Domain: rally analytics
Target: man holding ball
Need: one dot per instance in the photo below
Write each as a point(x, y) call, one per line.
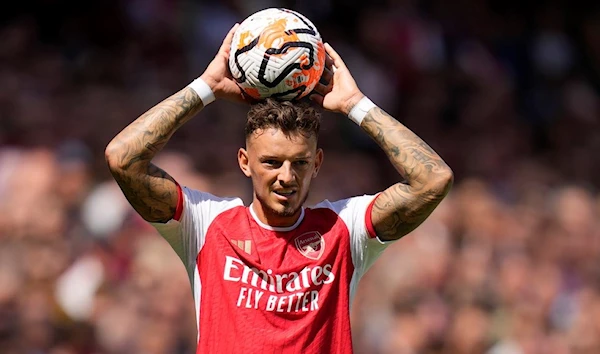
point(276, 276)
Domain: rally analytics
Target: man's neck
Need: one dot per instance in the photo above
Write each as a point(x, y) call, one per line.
point(273, 220)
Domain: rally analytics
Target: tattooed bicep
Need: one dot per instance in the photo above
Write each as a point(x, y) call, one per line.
point(153, 195)
point(400, 209)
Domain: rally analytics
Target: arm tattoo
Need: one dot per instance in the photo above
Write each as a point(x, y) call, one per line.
point(402, 207)
point(150, 190)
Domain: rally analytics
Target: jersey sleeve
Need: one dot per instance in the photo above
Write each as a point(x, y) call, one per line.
point(365, 245)
point(186, 232)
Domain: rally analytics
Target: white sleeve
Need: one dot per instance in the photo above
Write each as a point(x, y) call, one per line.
point(187, 235)
point(365, 246)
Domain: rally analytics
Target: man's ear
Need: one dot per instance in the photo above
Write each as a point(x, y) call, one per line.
point(243, 162)
point(318, 162)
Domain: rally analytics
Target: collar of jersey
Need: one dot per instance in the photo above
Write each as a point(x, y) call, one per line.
point(275, 228)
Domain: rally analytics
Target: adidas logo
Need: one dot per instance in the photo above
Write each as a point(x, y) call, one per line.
point(244, 245)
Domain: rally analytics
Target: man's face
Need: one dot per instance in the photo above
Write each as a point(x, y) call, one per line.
point(281, 168)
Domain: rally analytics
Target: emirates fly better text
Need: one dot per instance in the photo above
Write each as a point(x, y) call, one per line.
point(290, 292)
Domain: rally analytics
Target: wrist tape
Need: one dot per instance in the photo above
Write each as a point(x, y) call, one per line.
point(360, 110)
point(203, 91)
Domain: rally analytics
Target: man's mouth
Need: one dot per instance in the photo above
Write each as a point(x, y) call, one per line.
point(285, 192)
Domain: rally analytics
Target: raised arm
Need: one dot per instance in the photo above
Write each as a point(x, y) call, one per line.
point(402, 207)
point(150, 190)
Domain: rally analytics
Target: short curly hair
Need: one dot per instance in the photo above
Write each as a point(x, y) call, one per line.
point(289, 117)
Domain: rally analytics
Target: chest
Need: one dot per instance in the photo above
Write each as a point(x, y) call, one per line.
point(314, 255)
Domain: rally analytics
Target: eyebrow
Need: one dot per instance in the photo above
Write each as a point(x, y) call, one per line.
point(267, 157)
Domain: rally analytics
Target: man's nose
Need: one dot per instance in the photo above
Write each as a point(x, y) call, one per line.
point(286, 173)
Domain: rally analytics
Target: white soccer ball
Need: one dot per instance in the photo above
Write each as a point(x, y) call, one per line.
point(277, 53)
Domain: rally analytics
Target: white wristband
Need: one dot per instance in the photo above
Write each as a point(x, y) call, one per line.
point(203, 91)
point(360, 110)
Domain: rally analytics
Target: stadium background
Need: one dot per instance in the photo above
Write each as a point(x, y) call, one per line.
point(506, 91)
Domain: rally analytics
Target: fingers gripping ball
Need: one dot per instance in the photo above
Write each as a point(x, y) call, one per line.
point(277, 53)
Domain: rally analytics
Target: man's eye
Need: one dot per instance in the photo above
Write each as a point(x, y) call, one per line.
point(301, 163)
point(271, 162)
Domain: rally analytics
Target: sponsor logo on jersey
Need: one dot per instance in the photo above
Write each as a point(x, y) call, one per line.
point(273, 292)
point(308, 277)
point(310, 244)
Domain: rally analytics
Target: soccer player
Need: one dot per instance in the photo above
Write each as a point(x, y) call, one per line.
point(276, 276)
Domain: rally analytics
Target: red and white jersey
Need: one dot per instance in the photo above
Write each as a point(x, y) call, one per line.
point(263, 289)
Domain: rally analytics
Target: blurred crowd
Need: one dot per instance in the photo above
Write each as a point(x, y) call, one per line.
point(508, 92)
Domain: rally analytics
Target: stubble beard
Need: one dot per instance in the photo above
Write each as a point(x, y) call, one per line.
point(287, 211)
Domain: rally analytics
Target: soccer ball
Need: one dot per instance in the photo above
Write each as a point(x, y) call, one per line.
point(277, 53)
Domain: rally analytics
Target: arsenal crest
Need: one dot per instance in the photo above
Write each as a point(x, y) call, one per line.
point(310, 244)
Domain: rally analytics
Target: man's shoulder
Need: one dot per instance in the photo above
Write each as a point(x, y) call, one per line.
point(195, 196)
point(207, 207)
point(344, 204)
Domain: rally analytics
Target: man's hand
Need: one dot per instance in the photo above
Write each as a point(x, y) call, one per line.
point(339, 92)
point(217, 74)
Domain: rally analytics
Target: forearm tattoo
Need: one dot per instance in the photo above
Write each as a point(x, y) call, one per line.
point(149, 189)
point(404, 206)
